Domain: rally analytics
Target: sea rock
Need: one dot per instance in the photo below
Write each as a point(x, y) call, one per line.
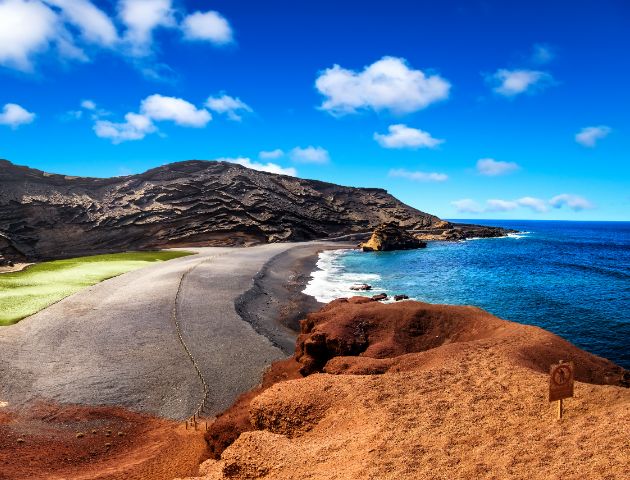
point(379, 297)
point(391, 236)
point(361, 287)
point(457, 232)
point(398, 298)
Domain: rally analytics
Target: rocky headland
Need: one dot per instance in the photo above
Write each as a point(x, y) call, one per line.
point(44, 215)
point(192, 203)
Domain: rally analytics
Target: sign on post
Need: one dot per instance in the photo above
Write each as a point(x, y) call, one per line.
point(560, 383)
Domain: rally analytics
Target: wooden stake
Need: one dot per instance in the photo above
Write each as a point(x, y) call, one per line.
point(560, 409)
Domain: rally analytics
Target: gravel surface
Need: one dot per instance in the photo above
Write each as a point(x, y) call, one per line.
point(115, 343)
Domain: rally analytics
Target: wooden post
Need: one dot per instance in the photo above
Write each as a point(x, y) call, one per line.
point(560, 409)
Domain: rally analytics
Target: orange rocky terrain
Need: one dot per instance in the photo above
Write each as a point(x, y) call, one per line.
point(55, 442)
point(413, 390)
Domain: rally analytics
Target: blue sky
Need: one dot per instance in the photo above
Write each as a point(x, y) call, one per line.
point(465, 109)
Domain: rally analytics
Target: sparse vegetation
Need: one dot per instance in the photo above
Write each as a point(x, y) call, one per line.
point(29, 291)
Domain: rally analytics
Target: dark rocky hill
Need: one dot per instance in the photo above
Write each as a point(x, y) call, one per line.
point(45, 215)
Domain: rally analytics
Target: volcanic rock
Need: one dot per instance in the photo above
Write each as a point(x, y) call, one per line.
point(391, 236)
point(361, 287)
point(379, 296)
point(189, 203)
point(398, 298)
point(414, 390)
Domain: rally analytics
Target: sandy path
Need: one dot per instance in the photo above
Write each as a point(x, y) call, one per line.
point(115, 343)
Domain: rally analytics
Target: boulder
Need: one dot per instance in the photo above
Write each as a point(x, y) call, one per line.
point(379, 296)
point(398, 298)
point(361, 287)
point(391, 236)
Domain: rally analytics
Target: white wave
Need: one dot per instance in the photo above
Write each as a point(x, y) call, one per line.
point(516, 235)
point(331, 281)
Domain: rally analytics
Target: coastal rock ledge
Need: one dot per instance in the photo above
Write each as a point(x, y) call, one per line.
point(415, 390)
point(391, 236)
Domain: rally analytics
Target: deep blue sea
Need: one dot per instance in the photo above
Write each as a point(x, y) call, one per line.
point(571, 278)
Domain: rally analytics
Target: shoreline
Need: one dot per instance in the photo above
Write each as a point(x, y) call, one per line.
point(275, 304)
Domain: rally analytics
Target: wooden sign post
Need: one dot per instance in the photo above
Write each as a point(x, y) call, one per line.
point(560, 383)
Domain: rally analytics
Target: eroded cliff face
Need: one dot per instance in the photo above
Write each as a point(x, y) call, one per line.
point(45, 215)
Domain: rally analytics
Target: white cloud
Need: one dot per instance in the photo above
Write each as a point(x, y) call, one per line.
point(542, 54)
point(402, 136)
point(13, 115)
point(310, 154)
point(88, 105)
point(263, 167)
point(538, 205)
point(154, 108)
point(492, 168)
point(271, 154)
point(466, 205)
point(209, 26)
point(535, 204)
point(574, 202)
point(26, 28)
point(95, 26)
point(228, 105)
point(496, 205)
point(418, 176)
point(160, 108)
point(388, 84)
point(135, 127)
point(142, 17)
point(589, 136)
point(510, 83)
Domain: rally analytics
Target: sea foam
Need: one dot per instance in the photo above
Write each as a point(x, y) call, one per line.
point(331, 280)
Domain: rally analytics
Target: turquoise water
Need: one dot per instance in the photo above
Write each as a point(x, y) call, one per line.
point(572, 278)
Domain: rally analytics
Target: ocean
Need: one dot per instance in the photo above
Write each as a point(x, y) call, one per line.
point(571, 278)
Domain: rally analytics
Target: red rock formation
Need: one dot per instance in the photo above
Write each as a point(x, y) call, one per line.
point(416, 341)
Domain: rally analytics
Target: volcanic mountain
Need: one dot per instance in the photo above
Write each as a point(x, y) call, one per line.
point(44, 215)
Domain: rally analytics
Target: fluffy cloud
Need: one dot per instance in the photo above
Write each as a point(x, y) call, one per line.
point(510, 83)
point(418, 176)
point(589, 136)
point(31, 27)
point(13, 115)
point(402, 136)
point(310, 154)
point(141, 18)
point(271, 154)
point(154, 108)
point(388, 84)
point(466, 205)
point(535, 204)
point(26, 28)
point(263, 167)
point(160, 108)
point(492, 168)
point(574, 202)
point(230, 106)
point(95, 26)
point(496, 205)
point(88, 105)
point(135, 127)
point(209, 26)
